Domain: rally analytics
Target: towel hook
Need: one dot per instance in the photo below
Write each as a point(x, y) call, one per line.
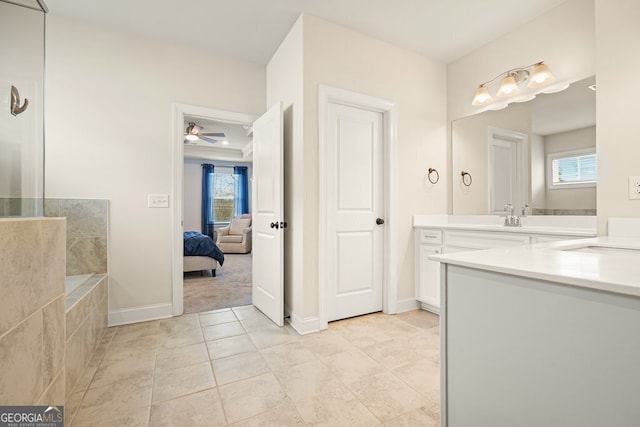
point(464, 178)
point(437, 178)
point(15, 102)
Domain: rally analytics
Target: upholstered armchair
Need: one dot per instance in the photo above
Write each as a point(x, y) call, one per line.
point(236, 238)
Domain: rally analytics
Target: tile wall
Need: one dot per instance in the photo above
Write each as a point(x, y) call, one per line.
point(87, 231)
point(32, 311)
point(86, 323)
point(589, 212)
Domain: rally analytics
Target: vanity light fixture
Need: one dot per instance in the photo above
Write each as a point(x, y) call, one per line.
point(538, 75)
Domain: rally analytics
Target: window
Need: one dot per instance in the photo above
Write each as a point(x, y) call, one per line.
point(224, 186)
point(571, 169)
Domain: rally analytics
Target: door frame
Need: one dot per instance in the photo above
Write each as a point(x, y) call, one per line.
point(177, 214)
point(388, 109)
point(522, 164)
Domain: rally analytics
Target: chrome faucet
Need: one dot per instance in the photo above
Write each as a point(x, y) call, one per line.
point(511, 220)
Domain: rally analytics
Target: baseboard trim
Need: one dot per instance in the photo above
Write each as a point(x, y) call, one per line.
point(408, 304)
point(304, 326)
point(430, 308)
point(140, 314)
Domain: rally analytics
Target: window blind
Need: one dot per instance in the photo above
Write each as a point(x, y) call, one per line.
point(575, 169)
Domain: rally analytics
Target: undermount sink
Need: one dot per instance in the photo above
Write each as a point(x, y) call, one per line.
point(595, 249)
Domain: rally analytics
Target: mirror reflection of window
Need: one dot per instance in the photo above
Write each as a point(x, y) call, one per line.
point(572, 168)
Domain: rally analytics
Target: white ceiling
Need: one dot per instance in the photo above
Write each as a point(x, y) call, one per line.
point(444, 30)
point(235, 134)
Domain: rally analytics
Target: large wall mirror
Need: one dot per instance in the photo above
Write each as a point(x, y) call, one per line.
point(538, 156)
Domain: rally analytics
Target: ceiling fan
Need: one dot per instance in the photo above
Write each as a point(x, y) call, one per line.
point(192, 133)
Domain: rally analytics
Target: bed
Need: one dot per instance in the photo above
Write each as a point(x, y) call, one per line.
point(201, 253)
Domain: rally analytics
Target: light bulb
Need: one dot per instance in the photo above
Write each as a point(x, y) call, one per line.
point(508, 87)
point(541, 76)
point(482, 96)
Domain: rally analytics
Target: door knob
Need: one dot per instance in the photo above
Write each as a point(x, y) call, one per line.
point(379, 221)
point(275, 225)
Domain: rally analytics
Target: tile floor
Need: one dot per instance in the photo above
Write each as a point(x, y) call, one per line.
point(233, 367)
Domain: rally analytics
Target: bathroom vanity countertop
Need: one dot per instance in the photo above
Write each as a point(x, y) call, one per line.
point(610, 264)
point(564, 225)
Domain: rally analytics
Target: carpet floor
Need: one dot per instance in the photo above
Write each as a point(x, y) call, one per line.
point(230, 288)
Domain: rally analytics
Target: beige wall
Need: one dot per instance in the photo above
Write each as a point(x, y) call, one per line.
point(338, 57)
point(564, 38)
point(109, 98)
point(317, 52)
point(618, 127)
point(109, 135)
point(284, 84)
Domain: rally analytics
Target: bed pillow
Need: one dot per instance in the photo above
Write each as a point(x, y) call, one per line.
point(238, 225)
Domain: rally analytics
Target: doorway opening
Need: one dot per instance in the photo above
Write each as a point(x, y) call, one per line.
point(223, 141)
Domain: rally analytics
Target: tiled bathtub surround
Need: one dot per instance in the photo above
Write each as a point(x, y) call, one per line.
point(86, 322)
point(32, 311)
point(87, 231)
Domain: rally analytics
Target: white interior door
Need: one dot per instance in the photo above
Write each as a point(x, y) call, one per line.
point(503, 155)
point(355, 203)
point(507, 157)
point(268, 222)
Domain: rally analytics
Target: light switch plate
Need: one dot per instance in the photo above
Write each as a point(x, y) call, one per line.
point(634, 188)
point(158, 201)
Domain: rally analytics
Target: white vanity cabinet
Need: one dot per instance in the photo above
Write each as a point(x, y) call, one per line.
point(538, 320)
point(544, 238)
point(428, 242)
point(431, 241)
point(459, 241)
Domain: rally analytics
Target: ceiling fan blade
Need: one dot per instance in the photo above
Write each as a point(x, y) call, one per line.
point(211, 140)
point(220, 134)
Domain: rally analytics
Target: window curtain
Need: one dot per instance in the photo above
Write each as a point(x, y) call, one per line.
point(242, 190)
point(207, 200)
